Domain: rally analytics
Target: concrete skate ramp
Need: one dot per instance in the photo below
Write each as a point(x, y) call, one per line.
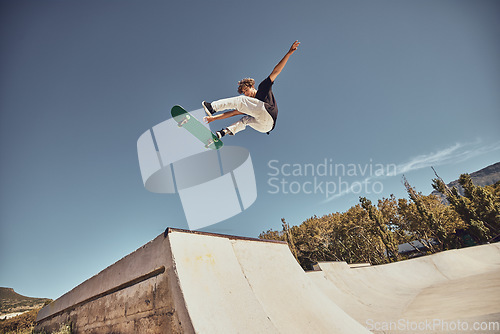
point(238, 285)
point(436, 292)
point(191, 282)
point(187, 282)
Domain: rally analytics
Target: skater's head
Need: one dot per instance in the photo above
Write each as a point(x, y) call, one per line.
point(247, 87)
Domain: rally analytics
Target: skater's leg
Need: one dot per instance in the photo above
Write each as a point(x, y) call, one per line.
point(256, 117)
point(247, 105)
point(239, 125)
point(252, 122)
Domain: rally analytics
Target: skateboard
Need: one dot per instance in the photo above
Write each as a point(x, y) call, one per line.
point(187, 121)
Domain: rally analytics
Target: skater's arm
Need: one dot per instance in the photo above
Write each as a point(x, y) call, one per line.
point(227, 114)
point(278, 68)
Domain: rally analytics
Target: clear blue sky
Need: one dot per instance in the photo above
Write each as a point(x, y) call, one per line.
point(407, 83)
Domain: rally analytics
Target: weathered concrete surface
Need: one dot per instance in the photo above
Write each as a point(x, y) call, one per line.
point(188, 282)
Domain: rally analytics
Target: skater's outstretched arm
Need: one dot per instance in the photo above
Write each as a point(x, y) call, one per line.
point(278, 68)
point(227, 114)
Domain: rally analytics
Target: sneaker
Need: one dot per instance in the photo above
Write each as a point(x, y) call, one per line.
point(208, 108)
point(223, 132)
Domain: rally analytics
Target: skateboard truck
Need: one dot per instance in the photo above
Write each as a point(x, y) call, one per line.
point(211, 141)
point(184, 121)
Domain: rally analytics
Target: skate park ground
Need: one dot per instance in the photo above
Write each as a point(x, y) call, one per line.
point(445, 292)
point(193, 282)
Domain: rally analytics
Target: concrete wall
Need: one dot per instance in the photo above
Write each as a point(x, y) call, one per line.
point(138, 294)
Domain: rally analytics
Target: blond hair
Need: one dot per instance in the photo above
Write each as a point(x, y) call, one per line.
point(247, 82)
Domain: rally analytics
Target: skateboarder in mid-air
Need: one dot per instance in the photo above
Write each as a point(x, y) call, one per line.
point(258, 105)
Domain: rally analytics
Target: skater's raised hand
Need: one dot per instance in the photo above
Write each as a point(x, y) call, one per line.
point(294, 47)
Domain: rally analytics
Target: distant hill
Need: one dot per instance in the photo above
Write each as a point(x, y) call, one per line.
point(12, 302)
point(484, 177)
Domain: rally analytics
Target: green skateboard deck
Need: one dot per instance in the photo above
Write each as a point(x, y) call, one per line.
point(185, 120)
